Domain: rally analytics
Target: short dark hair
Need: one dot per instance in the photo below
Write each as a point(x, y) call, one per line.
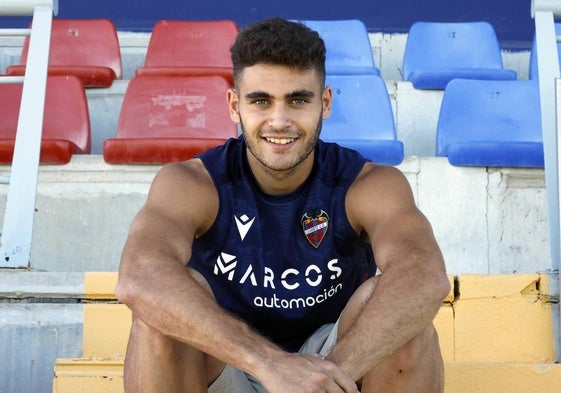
point(279, 42)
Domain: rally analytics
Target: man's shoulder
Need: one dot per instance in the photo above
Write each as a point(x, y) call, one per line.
point(379, 176)
point(184, 175)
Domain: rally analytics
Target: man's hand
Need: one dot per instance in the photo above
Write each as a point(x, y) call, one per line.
point(297, 373)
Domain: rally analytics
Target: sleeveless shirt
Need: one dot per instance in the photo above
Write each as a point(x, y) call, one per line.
point(284, 264)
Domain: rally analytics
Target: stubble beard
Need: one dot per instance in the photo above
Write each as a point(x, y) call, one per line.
point(282, 171)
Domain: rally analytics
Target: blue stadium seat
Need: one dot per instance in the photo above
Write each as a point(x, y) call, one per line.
point(533, 66)
point(348, 46)
point(436, 53)
point(491, 123)
point(362, 118)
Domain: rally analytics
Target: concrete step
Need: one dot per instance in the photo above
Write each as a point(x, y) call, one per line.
point(486, 220)
point(88, 375)
point(485, 318)
point(106, 376)
point(487, 322)
point(496, 334)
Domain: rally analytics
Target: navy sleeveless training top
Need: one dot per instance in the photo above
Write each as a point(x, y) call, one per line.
point(284, 264)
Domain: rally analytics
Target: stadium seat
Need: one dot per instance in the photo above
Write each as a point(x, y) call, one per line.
point(86, 48)
point(170, 118)
point(348, 46)
point(362, 118)
point(66, 123)
point(491, 123)
point(436, 53)
point(190, 48)
point(533, 66)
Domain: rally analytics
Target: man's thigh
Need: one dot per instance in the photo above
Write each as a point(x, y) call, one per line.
point(232, 380)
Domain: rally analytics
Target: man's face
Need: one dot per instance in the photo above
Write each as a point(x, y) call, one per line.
point(280, 110)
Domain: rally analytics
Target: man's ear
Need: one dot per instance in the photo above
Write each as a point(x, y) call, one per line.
point(233, 105)
point(327, 100)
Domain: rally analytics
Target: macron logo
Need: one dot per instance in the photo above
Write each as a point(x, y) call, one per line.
point(226, 263)
point(244, 224)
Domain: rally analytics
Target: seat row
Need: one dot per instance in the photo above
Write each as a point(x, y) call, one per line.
point(174, 106)
point(172, 118)
point(89, 49)
point(435, 52)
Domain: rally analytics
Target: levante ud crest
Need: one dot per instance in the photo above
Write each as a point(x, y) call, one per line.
point(315, 224)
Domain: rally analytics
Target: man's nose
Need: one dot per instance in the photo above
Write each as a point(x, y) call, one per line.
point(279, 117)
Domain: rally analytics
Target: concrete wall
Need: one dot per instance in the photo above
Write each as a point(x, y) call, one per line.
point(486, 220)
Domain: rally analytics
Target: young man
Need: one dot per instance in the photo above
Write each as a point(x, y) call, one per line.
point(269, 245)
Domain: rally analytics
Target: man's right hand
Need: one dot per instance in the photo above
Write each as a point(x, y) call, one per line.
point(297, 373)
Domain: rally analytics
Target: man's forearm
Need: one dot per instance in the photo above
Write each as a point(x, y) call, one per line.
point(176, 305)
point(398, 310)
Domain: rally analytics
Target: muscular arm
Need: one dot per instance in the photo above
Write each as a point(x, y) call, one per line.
point(156, 286)
point(153, 281)
point(413, 282)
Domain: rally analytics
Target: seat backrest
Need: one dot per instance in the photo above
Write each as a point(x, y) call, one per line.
point(159, 106)
point(533, 64)
point(348, 48)
point(488, 111)
point(191, 43)
point(361, 109)
point(66, 114)
point(83, 42)
point(455, 44)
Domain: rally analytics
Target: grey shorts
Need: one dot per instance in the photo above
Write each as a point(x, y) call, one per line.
point(233, 380)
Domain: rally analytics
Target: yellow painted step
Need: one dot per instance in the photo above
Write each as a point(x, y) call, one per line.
point(503, 318)
point(106, 330)
point(88, 376)
point(100, 285)
point(503, 378)
point(105, 376)
point(495, 318)
point(496, 335)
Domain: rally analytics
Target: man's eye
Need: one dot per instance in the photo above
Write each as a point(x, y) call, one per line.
point(299, 101)
point(259, 102)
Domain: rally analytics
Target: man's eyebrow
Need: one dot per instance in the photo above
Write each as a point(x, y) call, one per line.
point(303, 93)
point(257, 94)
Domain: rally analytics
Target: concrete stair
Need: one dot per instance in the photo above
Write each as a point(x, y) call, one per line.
point(496, 333)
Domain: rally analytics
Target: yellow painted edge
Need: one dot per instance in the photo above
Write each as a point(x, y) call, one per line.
point(478, 286)
point(460, 376)
point(101, 339)
point(444, 324)
point(89, 367)
point(450, 297)
point(100, 285)
point(502, 377)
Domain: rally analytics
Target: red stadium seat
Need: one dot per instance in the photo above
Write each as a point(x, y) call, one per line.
point(190, 48)
point(66, 123)
point(170, 118)
point(88, 49)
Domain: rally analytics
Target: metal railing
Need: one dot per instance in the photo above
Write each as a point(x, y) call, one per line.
point(544, 13)
point(17, 230)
